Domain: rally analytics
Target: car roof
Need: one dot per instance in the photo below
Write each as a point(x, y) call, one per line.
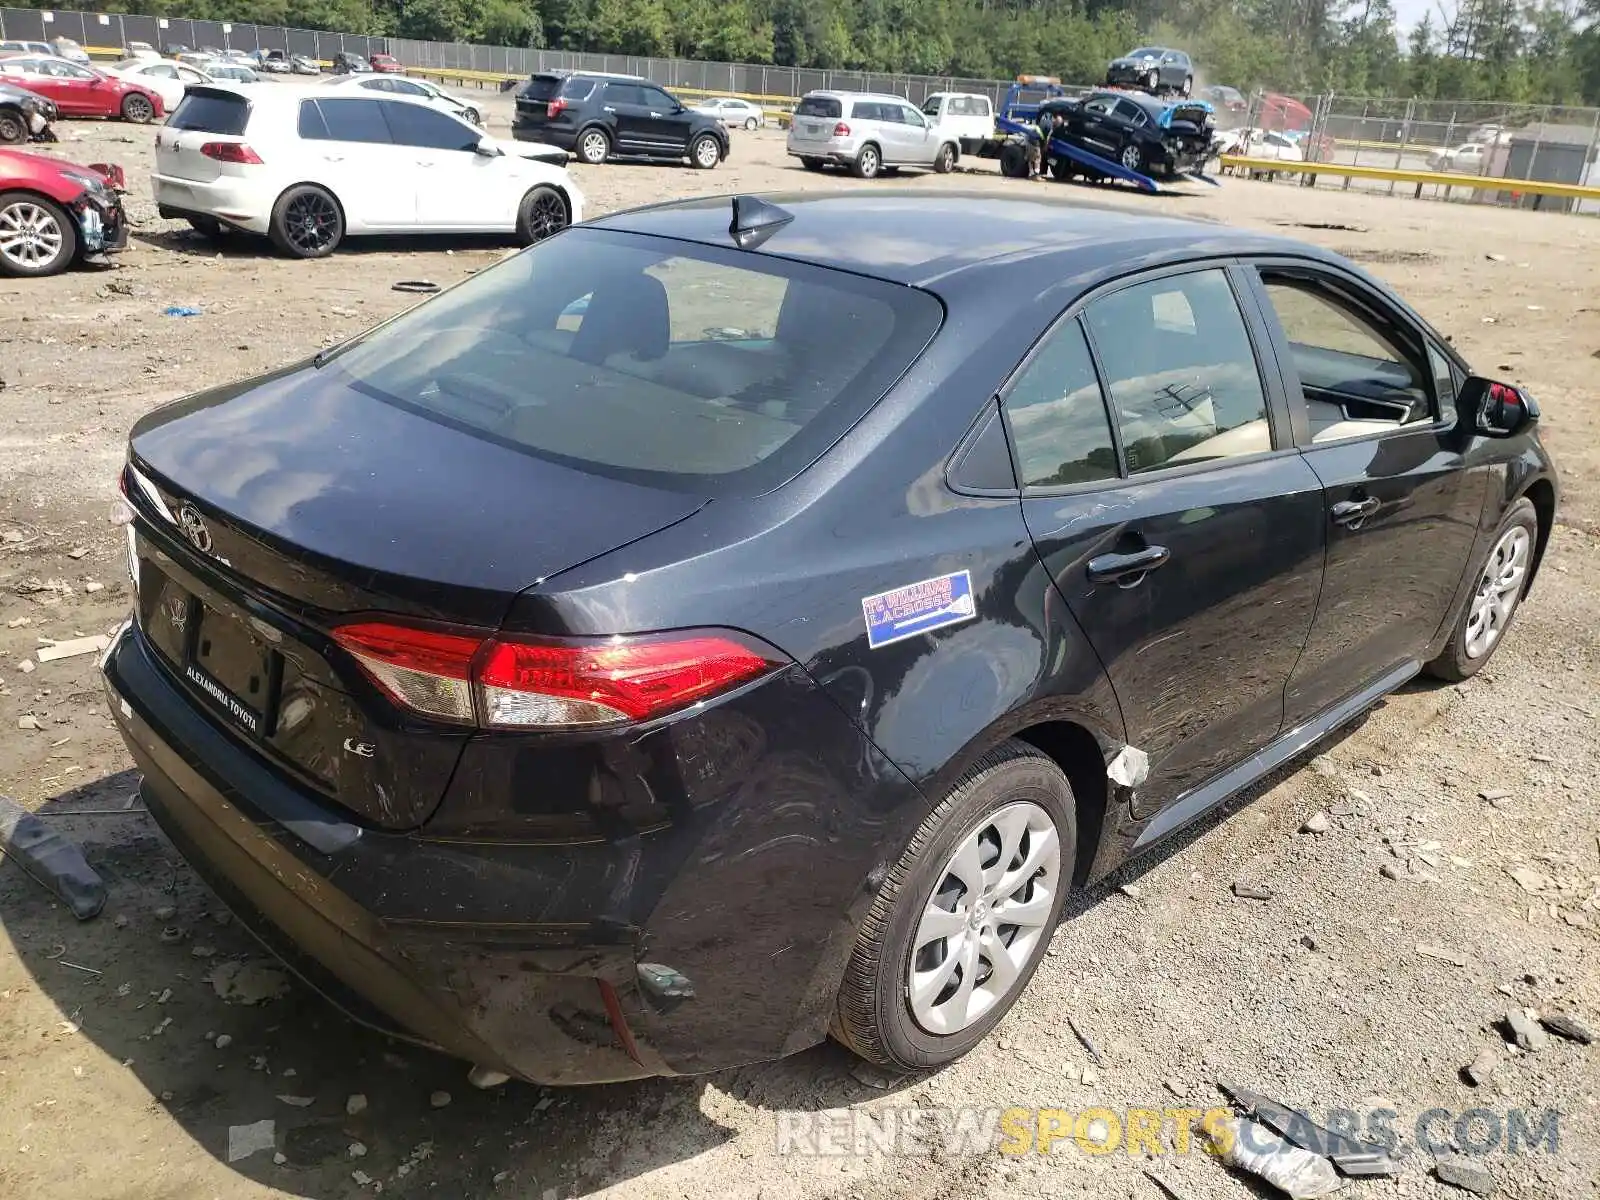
point(1006, 246)
point(579, 74)
point(843, 95)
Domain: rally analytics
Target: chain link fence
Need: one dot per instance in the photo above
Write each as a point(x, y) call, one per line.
point(1484, 138)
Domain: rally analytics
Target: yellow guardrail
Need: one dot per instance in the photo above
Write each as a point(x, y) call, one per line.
point(1444, 179)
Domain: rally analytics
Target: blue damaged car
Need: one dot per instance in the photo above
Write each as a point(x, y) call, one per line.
point(727, 623)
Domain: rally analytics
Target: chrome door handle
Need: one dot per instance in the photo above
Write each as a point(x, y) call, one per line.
point(1127, 570)
point(333, 158)
point(1351, 513)
point(609, 109)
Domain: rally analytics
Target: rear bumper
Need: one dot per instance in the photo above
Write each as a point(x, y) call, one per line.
point(544, 135)
point(545, 959)
point(223, 199)
point(833, 150)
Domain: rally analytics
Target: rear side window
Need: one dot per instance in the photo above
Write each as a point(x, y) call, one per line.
point(208, 111)
point(666, 363)
point(1181, 371)
point(820, 106)
point(345, 121)
point(1058, 416)
point(578, 89)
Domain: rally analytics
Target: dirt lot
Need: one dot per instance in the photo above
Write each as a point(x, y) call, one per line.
point(121, 1075)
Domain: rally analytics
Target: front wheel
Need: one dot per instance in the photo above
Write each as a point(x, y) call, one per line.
point(1132, 159)
point(705, 152)
point(1188, 85)
point(306, 222)
point(1014, 160)
point(945, 161)
point(868, 163)
point(594, 147)
point(751, 123)
point(963, 919)
point(1502, 578)
point(36, 237)
point(543, 212)
point(474, 116)
point(1152, 82)
point(138, 109)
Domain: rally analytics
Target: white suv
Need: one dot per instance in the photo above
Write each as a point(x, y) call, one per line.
point(867, 132)
point(308, 166)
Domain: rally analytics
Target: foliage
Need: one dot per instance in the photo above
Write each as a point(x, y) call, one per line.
point(1522, 51)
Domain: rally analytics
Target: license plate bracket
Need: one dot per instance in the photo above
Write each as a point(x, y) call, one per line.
point(232, 667)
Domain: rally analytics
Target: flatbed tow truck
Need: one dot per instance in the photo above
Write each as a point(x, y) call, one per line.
point(1016, 131)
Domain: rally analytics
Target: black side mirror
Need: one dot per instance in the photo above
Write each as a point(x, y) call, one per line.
point(1496, 410)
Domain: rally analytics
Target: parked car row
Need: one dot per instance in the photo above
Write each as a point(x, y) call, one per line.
point(78, 90)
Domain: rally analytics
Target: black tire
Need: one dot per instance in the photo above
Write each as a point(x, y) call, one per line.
point(13, 128)
point(812, 164)
point(52, 246)
point(1455, 663)
point(475, 116)
point(869, 161)
point(1014, 160)
point(1061, 170)
point(752, 124)
point(593, 146)
point(543, 212)
point(945, 161)
point(1132, 158)
point(705, 152)
point(1188, 86)
point(873, 1017)
point(307, 222)
point(136, 107)
point(1152, 82)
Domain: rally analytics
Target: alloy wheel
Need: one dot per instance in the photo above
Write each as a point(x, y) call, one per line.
point(1499, 589)
point(707, 152)
point(30, 236)
point(310, 222)
point(594, 147)
point(1130, 157)
point(546, 216)
point(985, 920)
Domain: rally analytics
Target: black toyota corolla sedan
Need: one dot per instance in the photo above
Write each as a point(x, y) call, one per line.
point(730, 623)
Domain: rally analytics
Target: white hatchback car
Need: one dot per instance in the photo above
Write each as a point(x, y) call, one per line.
point(308, 166)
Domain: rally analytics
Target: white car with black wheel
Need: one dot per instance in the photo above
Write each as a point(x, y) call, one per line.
point(310, 166)
point(415, 89)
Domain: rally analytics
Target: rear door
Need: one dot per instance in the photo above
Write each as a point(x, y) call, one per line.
point(375, 180)
point(1177, 521)
point(624, 103)
point(1372, 405)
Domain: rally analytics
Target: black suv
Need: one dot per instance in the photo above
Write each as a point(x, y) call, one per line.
point(600, 116)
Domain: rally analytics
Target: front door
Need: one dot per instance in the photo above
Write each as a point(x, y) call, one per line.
point(457, 188)
point(668, 122)
point(1184, 533)
point(1372, 406)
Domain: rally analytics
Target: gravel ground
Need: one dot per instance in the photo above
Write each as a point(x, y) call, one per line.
point(122, 1073)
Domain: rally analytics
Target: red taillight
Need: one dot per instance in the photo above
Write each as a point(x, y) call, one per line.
point(509, 684)
point(231, 152)
point(841, 130)
point(555, 108)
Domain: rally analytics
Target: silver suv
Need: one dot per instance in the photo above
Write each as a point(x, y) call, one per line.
point(867, 132)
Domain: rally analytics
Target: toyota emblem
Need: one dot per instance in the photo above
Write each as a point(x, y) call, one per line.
point(194, 528)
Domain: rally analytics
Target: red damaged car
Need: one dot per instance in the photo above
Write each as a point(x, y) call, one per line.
point(385, 64)
point(54, 213)
point(80, 91)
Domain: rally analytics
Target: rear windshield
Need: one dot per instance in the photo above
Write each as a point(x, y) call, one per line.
point(207, 111)
point(819, 106)
point(667, 363)
point(542, 87)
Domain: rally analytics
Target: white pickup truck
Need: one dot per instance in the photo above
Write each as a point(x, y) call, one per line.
point(969, 116)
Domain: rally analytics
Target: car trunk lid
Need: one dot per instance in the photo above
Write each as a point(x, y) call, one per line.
point(276, 511)
point(205, 116)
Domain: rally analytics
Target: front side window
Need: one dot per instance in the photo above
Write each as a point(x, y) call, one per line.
point(623, 93)
point(1181, 371)
point(657, 99)
point(932, 107)
point(427, 128)
point(1359, 373)
point(693, 368)
point(1058, 416)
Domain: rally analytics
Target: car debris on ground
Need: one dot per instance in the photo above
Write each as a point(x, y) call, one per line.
point(50, 860)
point(1299, 1174)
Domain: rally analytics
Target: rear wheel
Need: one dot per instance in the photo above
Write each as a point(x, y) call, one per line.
point(594, 147)
point(946, 160)
point(705, 152)
point(474, 116)
point(1152, 82)
point(208, 227)
point(306, 222)
point(1014, 160)
point(543, 213)
point(1501, 580)
point(13, 128)
point(751, 123)
point(964, 918)
point(868, 162)
point(1188, 85)
point(812, 164)
point(136, 107)
point(36, 236)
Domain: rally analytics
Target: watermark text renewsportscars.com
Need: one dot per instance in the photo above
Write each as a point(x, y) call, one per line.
point(923, 1131)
